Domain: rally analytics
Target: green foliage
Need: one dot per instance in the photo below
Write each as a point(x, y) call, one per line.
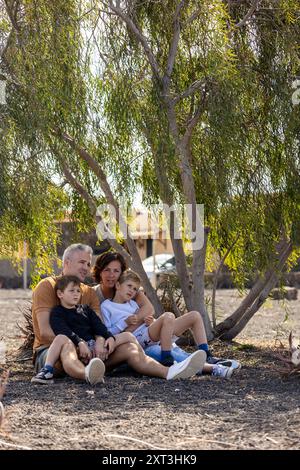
point(74, 69)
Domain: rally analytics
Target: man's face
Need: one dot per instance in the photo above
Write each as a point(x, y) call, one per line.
point(70, 296)
point(78, 264)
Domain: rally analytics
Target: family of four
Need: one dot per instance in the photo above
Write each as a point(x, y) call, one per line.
point(83, 331)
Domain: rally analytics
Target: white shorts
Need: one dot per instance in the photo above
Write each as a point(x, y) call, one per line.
point(142, 335)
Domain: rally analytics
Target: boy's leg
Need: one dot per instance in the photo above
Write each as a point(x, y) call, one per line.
point(55, 349)
point(191, 320)
point(162, 330)
point(70, 361)
point(194, 321)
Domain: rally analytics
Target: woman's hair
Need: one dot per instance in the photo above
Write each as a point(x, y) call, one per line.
point(103, 260)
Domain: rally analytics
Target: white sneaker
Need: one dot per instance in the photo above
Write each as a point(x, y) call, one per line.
point(94, 371)
point(187, 368)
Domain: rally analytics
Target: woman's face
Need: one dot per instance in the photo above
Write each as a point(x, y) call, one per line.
point(111, 274)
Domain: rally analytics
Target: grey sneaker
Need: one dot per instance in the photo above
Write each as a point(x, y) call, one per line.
point(94, 371)
point(189, 367)
point(222, 371)
point(224, 362)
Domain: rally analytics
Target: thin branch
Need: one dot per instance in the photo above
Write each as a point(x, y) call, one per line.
point(189, 91)
point(139, 36)
point(195, 119)
point(79, 188)
point(192, 17)
point(173, 45)
point(248, 14)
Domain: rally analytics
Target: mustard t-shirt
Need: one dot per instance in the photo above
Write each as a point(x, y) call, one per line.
point(44, 299)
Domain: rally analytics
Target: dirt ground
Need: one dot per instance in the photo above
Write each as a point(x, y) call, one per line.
point(256, 409)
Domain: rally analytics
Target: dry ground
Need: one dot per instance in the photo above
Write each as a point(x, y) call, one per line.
point(256, 409)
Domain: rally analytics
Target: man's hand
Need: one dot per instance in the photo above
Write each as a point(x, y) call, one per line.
point(84, 352)
point(110, 345)
point(131, 320)
point(149, 320)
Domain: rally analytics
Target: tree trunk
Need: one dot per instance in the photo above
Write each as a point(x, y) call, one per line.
point(234, 324)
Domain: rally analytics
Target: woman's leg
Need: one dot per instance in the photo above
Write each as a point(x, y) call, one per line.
point(125, 337)
point(162, 330)
point(137, 359)
point(134, 355)
point(193, 321)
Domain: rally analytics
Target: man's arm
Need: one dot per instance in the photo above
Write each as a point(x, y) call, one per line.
point(43, 300)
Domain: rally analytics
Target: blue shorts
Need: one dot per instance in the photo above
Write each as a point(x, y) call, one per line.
point(178, 354)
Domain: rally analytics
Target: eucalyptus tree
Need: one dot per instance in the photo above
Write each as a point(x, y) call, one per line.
point(189, 100)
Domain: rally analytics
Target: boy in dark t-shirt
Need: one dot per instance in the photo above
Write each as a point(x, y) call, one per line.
point(81, 325)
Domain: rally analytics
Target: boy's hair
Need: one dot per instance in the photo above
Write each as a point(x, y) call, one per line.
point(129, 276)
point(62, 282)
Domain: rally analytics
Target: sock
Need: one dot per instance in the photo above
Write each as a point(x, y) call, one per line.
point(49, 368)
point(165, 354)
point(204, 347)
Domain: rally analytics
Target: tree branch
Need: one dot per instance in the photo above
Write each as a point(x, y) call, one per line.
point(189, 91)
point(173, 46)
point(213, 300)
point(135, 257)
point(92, 206)
point(139, 36)
point(248, 14)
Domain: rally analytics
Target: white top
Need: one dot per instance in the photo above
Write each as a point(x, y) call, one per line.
point(114, 314)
